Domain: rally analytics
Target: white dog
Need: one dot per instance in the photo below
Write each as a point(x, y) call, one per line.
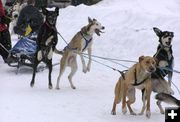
point(81, 42)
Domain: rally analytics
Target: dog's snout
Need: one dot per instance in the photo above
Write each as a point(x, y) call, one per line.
point(152, 68)
point(103, 27)
point(169, 38)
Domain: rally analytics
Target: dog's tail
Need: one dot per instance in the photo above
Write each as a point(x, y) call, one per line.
point(58, 51)
point(119, 90)
point(167, 98)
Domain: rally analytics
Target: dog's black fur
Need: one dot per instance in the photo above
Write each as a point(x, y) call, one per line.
point(46, 42)
point(164, 53)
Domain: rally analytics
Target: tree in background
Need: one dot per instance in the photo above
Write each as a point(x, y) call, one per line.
point(41, 3)
point(87, 2)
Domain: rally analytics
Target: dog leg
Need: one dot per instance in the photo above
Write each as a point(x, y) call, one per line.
point(113, 111)
point(170, 78)
point(148, 92)
point(144, 102)
point(131, 97)
point(62, 68)
point(118, 96)
point(34, 72)
point(83, 63)
point(89, 62)
point(124, 109)
point(49, 64)
point(73, 71)
point(160, 107)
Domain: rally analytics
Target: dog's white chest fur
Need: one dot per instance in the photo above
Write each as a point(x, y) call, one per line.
point(49, 54)
point(169, 53)
point(164, 63)
point(42, 53)
point(49, 40)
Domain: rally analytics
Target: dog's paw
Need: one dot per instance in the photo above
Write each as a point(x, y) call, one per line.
point(113, 112)
point(124, 110)
point(84, 70)
point(148, 114)
point(133, 113)
point(32, 84)
point(57, 88)
point(50, 86)
point(140, 113)
point(73, 87)
point(162, 112)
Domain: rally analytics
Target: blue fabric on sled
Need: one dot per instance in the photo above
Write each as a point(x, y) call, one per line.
point(25, 46)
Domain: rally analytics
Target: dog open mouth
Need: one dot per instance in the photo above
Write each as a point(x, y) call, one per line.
point(97, 31)
point(168, 43)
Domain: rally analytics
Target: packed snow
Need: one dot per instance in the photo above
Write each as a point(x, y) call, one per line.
point(128, 35)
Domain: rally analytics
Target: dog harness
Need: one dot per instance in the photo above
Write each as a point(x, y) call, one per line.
point(135, 77)
point(163, 55)
point(87, 41)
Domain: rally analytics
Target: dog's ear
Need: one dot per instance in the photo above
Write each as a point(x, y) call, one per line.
point(94, 20)
point(57, 10)
point(156, 60)
point(157, 31)
point(141, 58)
point(44, 11)
point(90, 20)
point(172, 34)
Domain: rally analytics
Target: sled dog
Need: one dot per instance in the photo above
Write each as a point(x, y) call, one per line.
point(80, 43)
point(46, 43)
point(138, 76)
point(165, 59)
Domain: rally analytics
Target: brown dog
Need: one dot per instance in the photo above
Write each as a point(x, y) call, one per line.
point(138, 76)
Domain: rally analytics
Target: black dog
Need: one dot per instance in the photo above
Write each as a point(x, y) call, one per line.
point(164, 55)
point(46, 42)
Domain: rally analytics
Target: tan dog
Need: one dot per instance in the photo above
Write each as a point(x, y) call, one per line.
point(81, 42)
point(138, 76)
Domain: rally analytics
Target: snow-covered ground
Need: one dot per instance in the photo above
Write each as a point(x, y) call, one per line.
point(128, 35)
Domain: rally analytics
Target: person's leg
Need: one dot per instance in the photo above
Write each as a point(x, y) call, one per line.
point(1, 49)
point(6, 42)
point(7, 39)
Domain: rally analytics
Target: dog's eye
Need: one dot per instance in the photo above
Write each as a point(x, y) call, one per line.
point(165, 36)
point(147, 62)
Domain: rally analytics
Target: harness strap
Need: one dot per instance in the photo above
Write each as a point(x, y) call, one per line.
point(162, 71)
point(161, 47)
point(135, 77)
point(51, 27)
point(70, 48)
point(87, 41)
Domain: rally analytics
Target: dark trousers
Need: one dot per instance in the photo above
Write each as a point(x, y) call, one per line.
point(5, 40)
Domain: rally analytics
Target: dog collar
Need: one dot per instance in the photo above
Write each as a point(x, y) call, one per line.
point(162, 46)
point(135, 77)
point(51, 27)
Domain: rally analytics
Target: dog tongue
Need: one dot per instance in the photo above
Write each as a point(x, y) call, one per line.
point(97, 31)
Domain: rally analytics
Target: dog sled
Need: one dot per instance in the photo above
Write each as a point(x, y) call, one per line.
point(22, 54)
